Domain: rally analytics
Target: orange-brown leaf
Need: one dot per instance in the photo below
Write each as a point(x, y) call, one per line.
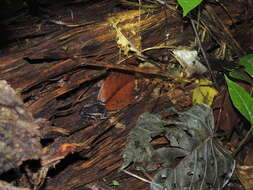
point(117, 90)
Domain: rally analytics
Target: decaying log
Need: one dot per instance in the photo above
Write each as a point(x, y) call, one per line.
point(38, 63)
point(58, 71)
point(104, 153)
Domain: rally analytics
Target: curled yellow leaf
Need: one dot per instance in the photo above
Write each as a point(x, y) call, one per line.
point(204, 92)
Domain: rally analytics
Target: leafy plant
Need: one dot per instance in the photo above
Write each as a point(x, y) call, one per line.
point(247, 63)
point(241, 99)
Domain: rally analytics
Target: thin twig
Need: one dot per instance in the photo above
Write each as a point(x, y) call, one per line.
point(136, 176)
point(244, 140)
point(203, 53)
point(59, 22)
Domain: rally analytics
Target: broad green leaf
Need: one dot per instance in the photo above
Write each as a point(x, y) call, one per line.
point(188, 5)
point(241, 99)
point(238, 76)
point(247, 62)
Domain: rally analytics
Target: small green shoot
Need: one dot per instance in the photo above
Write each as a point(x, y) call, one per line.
point(115, 183)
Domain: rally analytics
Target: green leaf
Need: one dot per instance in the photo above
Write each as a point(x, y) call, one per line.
point(241, 99)
point(188, 5)
point(236, 75)
point(247, 62)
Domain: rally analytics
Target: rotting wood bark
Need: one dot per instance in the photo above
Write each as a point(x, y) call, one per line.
point(50, 79)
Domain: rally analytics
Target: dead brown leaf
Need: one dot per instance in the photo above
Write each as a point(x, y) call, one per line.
point(245, 174)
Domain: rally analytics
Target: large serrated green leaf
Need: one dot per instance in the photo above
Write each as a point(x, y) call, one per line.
point(188, 5)
point(247, 62)
point(241, 99)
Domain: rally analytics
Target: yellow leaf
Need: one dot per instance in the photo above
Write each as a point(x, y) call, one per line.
point(204, 93)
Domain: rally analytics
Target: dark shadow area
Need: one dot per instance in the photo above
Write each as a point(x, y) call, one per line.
point(66, 162)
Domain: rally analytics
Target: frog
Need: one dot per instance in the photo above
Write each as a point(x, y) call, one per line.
point(94, 112)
